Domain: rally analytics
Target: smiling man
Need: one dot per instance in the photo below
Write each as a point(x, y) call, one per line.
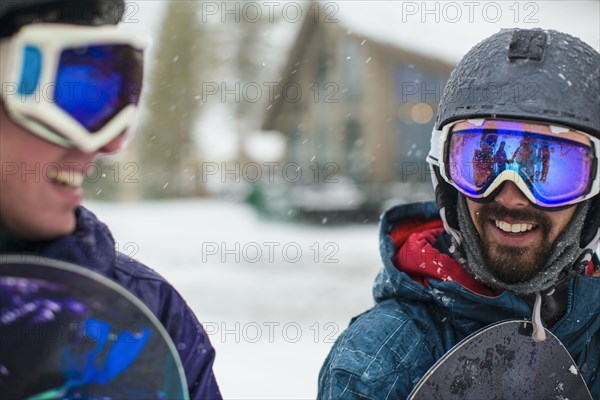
point(71, 83)
point(509, 238)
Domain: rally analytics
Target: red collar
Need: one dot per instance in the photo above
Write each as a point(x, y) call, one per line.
point(420, 260)
point(417, 257)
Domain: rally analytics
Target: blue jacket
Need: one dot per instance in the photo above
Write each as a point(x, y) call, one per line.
point(386, 350)
point(92, 246)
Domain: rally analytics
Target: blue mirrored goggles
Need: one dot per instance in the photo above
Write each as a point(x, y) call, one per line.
point(95, 83)
point(553, 166)
point(74, 86)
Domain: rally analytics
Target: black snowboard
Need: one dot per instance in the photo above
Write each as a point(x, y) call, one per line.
point(503, 362)
point(69, 333)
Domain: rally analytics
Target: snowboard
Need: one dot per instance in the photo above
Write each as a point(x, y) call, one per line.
point(69, 333)
point(502, 362)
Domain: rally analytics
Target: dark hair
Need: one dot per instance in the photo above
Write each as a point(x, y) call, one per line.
point(15, 14)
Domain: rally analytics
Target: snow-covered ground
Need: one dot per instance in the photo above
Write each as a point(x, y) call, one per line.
point(272, 296)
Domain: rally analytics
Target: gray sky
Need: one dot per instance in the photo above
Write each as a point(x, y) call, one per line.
point(448, 29)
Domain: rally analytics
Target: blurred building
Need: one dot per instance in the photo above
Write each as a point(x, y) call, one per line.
point(357, 114)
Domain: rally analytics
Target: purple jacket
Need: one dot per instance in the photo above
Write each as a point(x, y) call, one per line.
point(92, 246)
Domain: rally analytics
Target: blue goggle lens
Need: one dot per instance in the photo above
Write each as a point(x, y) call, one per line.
point(95, 83)
point(556, 170)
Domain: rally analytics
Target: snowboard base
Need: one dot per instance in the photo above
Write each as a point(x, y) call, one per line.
point(69, 333)
point(503, 362)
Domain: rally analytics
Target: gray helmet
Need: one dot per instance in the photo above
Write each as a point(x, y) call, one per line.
point(535, 74)
point(539, 75)
point(15, 14)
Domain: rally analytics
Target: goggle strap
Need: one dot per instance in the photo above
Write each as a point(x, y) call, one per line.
point(436, 147)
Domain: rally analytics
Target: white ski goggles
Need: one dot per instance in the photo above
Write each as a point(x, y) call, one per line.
point(553, 166)
point(75, 86)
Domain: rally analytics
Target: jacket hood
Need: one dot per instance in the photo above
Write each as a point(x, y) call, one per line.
point(404, 253)
point(461, 299)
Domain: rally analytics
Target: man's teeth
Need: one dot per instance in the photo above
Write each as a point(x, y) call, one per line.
point(513, 228)
point(66, 178)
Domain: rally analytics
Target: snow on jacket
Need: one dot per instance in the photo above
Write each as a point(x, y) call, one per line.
point(92, 246)
point(418, 317)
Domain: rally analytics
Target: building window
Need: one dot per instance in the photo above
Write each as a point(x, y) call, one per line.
point(355, 160)
point(351, 71)
point(321, 67)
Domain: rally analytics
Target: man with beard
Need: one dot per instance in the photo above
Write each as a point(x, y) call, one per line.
point(513, 248)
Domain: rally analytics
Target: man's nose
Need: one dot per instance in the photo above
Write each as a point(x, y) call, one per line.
point(510, 196)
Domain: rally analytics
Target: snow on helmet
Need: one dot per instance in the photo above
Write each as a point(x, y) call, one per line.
point(526, 74)
point(15, 14)
point(523, 74)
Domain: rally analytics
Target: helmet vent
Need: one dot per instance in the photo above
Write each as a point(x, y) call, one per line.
point(528, 45)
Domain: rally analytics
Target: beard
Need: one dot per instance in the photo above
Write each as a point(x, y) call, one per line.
point(514, 264)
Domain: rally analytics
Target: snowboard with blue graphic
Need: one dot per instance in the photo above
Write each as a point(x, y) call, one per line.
point(503, 362)
point(69, 333)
